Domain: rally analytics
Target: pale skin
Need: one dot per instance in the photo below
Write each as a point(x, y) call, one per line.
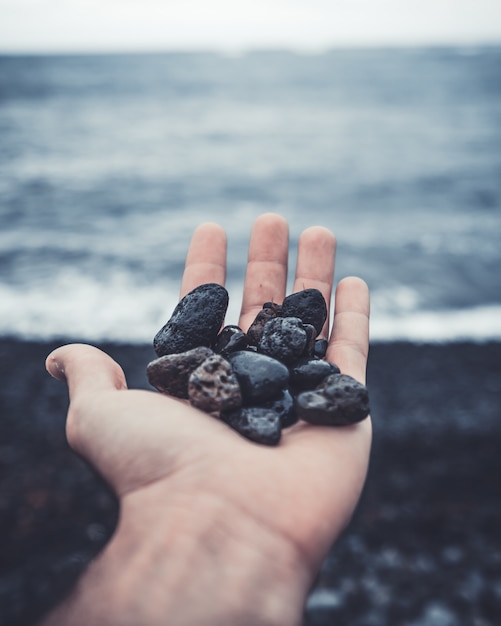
point(214, 529)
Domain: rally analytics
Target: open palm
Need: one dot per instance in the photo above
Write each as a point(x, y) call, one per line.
point(172, 465)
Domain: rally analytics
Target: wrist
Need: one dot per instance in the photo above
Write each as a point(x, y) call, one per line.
point(197, 562)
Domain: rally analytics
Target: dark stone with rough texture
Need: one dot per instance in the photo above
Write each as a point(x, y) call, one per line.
point(338, 401)
point(284, 339)
point(256, 423)
point(256, 328)
point(170, 373)
point(309, 373)
point(320, 348)
point(196, 320)
point(284, 408)
point(213, 387)
point(230, 339)
point(261, 378)
point(309, 305)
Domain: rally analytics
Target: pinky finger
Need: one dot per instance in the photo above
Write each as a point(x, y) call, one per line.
point(349, 341)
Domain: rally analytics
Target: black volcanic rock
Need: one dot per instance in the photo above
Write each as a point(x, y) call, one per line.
point(256, 423)
point(309, 305)
point(338, 401)
point(309, 373)
point(196, 320)
point(230, 339)
point(284, 407)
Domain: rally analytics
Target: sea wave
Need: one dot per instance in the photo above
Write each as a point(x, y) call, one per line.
point(120, 310)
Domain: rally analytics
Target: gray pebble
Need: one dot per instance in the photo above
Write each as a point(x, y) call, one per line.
point(338, 401)
point(284, 339)
point(261, 378)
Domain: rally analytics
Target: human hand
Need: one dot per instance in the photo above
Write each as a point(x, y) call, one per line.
point(215, 529)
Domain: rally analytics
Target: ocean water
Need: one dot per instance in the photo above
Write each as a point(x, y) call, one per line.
point(108, 163)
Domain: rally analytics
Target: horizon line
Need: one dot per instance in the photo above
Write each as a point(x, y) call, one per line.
point(466, 45)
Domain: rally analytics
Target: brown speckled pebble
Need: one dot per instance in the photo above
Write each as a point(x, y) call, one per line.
point(170, 373)
point(213, 387)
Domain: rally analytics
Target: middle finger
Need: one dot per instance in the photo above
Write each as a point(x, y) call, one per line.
point(266, 275)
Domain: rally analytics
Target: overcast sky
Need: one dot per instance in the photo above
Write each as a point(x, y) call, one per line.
point(99, 25)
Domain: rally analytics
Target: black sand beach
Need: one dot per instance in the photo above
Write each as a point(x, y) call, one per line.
point(423, 549)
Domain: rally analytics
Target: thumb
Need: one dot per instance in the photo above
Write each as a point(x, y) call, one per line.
point(85, 369)
point(89, 373)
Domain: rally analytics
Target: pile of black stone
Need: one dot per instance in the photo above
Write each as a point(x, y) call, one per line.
point(261, 381)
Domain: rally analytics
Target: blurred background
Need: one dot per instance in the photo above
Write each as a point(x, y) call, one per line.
point(123, 125)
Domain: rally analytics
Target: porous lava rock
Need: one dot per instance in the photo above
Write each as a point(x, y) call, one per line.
point(170, 373)
point(256, 423)
point(284, 339)
point(196, 320)
point(213, 387)
point(261, 378)
point(339, 400)
point(309, 305)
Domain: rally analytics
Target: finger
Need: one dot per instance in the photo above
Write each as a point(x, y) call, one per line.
point(349, 341)
point(266, 275)
point(90, 375)
point(85, 369)
point(206, 258)
point(315, 264)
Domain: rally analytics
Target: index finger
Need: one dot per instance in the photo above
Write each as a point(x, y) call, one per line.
point(206, 258)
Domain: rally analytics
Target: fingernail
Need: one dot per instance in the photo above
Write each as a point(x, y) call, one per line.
point(55, 368)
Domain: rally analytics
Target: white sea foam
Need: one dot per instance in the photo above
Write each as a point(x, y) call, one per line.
point(481, 323)
point(117, 309)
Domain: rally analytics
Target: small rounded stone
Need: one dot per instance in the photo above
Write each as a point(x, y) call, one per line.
point(213, 387)
point(320, 348)
point(284, 339)
point(261, 378)
point(257, 424)
point(230, 339)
